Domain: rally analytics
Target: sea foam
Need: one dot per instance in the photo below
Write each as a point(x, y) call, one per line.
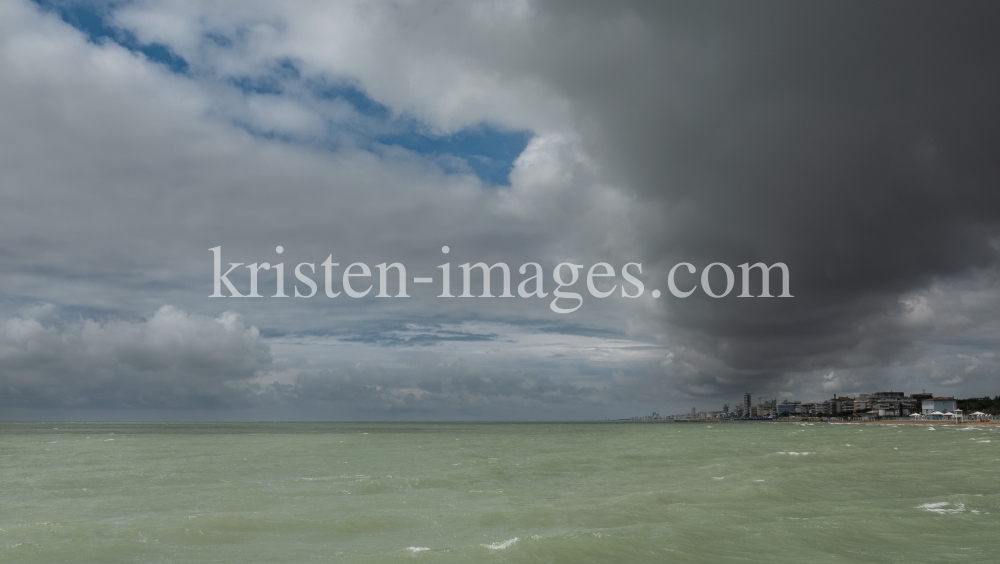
point(501, 545)
point(942, 507)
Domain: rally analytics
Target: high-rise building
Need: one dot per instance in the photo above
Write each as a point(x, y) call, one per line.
point(746, 401)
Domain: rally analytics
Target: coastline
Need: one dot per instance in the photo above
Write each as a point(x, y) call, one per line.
point(927, 423)
point(800, 420)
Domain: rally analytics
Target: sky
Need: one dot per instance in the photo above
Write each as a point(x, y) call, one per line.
point(854, 143)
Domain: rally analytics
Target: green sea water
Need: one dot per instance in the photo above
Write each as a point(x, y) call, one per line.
point(497, 492)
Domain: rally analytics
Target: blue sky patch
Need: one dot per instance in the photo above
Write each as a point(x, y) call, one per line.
point(350, 93)
point(91, 18)
point(283, 71)
point(487, 150)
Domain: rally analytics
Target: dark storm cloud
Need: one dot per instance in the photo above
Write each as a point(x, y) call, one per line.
point(855, 141)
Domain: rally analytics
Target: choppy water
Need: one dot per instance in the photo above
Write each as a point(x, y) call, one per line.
point(509, 492)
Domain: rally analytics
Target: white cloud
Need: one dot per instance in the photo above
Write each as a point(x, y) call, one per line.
point(167, 360)
point(449, 63)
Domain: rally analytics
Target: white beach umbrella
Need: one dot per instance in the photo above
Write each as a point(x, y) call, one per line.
point(914, 415)
point(937, 413)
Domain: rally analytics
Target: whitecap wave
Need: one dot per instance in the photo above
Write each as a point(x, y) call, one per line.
point(501, 545)
point(942, 508)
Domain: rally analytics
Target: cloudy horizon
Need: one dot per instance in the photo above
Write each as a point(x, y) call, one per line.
point(853, 142)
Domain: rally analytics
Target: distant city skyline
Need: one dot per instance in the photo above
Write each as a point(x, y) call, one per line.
point(877, 404)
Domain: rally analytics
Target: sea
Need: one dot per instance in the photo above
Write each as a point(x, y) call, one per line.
point(498, 492)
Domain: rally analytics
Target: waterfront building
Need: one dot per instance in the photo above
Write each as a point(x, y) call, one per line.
point(884, 409)
point(789, 408)
point(862, 403)
point(766, 409)
point(843, 404)
point(942, 404)
point(892, 404)
point(908, 406)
